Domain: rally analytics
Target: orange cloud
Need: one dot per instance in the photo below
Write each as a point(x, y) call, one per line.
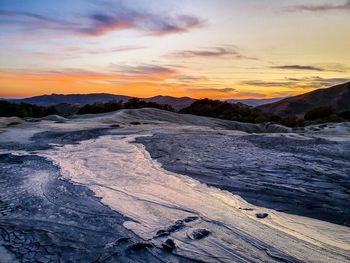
point(141, 81)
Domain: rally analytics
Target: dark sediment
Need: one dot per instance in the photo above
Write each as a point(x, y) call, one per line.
point(169, 245)
point(199, 234)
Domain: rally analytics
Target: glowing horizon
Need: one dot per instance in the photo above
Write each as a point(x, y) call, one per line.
point(226, 49)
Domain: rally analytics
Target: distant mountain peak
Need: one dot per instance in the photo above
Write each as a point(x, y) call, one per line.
point(254, 102)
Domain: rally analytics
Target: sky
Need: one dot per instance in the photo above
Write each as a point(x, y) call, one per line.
point(219, 49)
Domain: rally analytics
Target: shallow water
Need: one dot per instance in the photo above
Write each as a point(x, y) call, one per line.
point(130, 182)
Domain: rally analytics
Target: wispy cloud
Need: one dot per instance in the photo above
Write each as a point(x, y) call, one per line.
point(76, 52)
point(145, 72)
point(213, 52)
point(151, 24)
point(224, 90)
point(171, 24)
point(151, 73)
point(48, 72)
point(318, 82)
point(321, 8)
point(190, 79)
point(268, 83)
point(246, 94)
point(104, 21)
point(27, 19)
point(305, 83)
point(297, 67)
point(330, 67)
point(114, 50)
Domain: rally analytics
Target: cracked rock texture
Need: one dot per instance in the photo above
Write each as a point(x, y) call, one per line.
point(304, 177)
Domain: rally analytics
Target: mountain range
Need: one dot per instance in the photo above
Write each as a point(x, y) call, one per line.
point(54, 99)
point(338, 97)
point(255, 102)
point(176, 103)
point(62, 101)
point(74, 101)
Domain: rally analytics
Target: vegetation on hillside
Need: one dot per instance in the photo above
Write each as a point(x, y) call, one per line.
point(315, 116)
point(133, 103)
point(23, 110)
point(204, 107)
point(344, 115)
point(320, 113)
point(239, 112)
point(229, 111)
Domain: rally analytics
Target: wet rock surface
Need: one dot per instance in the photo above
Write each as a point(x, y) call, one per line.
point(261, 215)
point(140, 246)
point(44, 218)
point(45, 140)
point(304, 177)
point(169, 245)
point(191, 218)
point(199, 234)
point(179, 225)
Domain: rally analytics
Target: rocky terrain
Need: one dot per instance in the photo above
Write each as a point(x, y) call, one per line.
point(153, 186)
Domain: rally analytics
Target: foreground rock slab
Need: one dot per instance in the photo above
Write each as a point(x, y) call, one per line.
point(100, 189)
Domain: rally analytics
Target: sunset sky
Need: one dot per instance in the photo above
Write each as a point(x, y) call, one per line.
point(198, 48)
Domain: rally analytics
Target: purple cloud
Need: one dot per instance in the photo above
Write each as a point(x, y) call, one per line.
point(212, 52)
point(105, 21)
point(26, 19)
point(224, 90)
point(76, 52)
point(297, 67)
point(307, 82)
point(149, 72)
point(323, 7)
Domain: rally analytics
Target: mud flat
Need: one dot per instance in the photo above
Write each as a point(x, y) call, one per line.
point(301, 176)
point(152, 186)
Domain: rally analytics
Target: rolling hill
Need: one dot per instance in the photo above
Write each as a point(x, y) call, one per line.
point(255, 102)
point(82, 99)
point(54, 99)
point(69, 104)
point(176, 103)
point(337, 96)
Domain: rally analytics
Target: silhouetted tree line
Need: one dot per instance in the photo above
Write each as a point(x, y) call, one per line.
point(320, 113)
point(345, 115)
point(317, 115)
point(229, 111)
point(133, 103)
point(237, 112)
point(23, 110)
point(204, 107)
